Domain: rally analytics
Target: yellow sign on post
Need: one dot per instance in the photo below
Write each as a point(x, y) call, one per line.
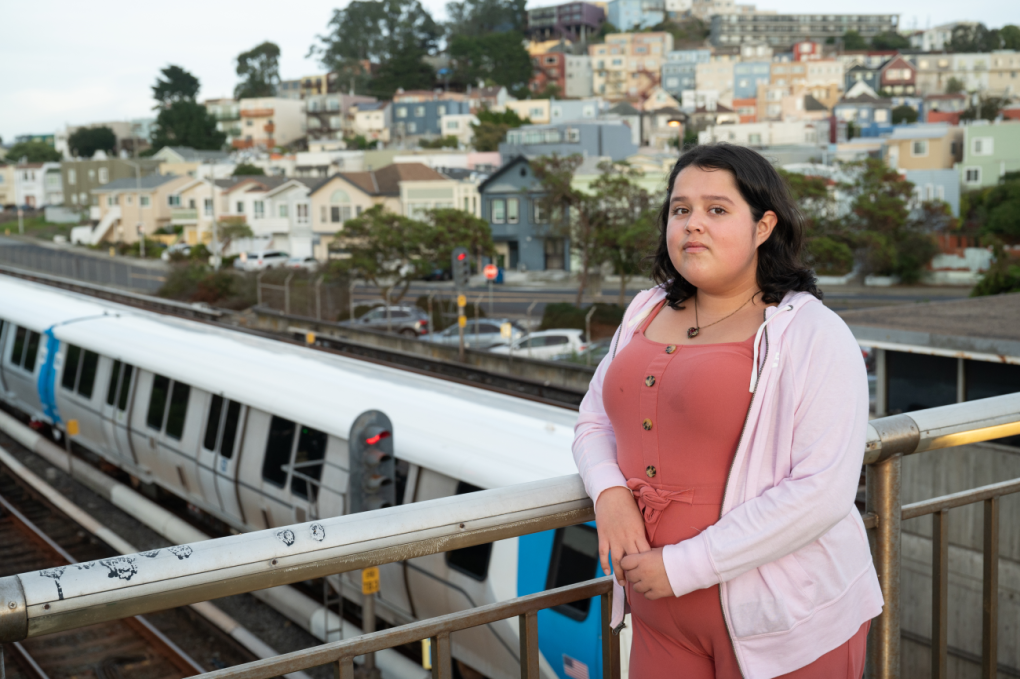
point(461, 300)
point(462, 321)
point(370, 580)
point(426, 654)
point(310, 338)
point(72, 427)
point(506, 331)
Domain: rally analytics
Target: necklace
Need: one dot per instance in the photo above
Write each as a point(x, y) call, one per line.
point(696, 330)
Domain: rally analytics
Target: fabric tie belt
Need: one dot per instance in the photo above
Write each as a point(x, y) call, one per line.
point(652, 501)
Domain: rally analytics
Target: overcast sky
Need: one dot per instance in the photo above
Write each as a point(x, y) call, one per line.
point(73, 62)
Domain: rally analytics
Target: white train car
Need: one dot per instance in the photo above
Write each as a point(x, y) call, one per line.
point(219, 418)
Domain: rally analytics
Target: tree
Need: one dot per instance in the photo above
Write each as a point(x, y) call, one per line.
point(492, 128)
point(378, 31)
point(386, 249)
point(405, 69)
point(447, 142)
point(187, 123)
point(1000, 211)
point(259, 69)
point(498, 58)
point(33, 152)
point(852, 40)
point(890, 40)
point(549, 91)
point(359, 143)
point(904, 114)
point(246, 169)
point(85, 141)
point(628, 230)
point(974, 38)
point(1010, 36)
point(176, 84)
point(827, 246)
point(452, 228)
point(478, 17)
point(574, 214)
point(954, 86)
point(987, 108)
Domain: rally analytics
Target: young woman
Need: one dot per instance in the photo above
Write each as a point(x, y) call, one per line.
point(722, 441)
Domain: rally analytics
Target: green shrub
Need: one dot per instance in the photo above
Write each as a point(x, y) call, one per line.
point(604, 321)
point(998, 280)
point(829, 257)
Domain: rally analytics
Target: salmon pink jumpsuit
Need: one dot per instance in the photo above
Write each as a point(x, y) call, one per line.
point(678, 412)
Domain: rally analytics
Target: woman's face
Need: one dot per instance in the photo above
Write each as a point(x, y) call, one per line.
point(713, 239)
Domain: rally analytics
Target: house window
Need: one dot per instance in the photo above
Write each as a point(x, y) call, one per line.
point(972, 175)
point(538, 214)
point(322, 214)
point(104, 175)
point(919, 148)
point(334, 122)
point(754, 139)
point(110, 200)
point(401, 111)
point(206, 206)
point(333, 105)
point(72, 177)
point(144, 201)
point(260, 209)
point(419, 111)
point(498, 211)
point(301, 211)
point(174, 200)
point(283, 210)
point(940, 192)
point(573, 135)
point(440, 110)
point(452, 125)
point(512, 210)
point(982, 146)
point(240, 207)
point(92, 175)
point(412, 128)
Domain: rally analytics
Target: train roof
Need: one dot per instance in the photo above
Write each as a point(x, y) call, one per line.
point(482, 437)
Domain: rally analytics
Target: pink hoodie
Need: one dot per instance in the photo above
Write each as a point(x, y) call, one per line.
point(789, 551)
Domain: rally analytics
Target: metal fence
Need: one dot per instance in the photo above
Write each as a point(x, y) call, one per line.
point(302, 294)
point(261, 559)
point(91, 268)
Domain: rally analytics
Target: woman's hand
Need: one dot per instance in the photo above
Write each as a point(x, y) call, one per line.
point(621, 528)
point(647, 574)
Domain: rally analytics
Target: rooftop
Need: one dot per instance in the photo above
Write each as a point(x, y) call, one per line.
point(191, 155)
point(145, 183)
point(386, 180)
point(922, 131)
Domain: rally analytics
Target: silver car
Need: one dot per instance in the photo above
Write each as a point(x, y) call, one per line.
point(409, 321)
point(262, 260)
point(487, 333)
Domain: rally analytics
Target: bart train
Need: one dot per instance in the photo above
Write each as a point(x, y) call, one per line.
point(254, 432)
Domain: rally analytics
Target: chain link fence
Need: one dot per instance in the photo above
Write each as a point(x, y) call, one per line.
point(84, 267)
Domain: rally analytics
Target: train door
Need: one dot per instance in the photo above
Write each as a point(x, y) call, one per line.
point(3, 345)
point(169, 435)
point(217, 458)
point(20, 359)
point(116, 411)
point(79, 372)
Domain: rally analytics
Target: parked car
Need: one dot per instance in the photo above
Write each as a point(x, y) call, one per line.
point(487, 333)
point(177, 248)
point(438, 274)
point(598, 350)
point(261, 260)
point(310, 264)
point(546, 344)
point(406, 320)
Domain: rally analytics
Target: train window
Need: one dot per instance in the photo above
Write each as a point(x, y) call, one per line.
point(157, 402)
point(125, 387)
point(471, 561)
point(25, 348)
point(178, 410)
point(87, 379)
point(402, 470)
point(18, 349)
point(111, 391)
point(212, 425)
point(575, 556)
point(278, 449)
point(311, 447)
point(31, 351)
point(71, 365)
point(230, 429)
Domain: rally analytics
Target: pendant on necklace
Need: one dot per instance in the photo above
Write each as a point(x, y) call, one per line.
point(692, 332)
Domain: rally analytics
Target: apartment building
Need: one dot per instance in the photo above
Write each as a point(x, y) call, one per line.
point(574, 21)
point(80, 177)
point(37, 185)
point(129, 206)
point(269, 122)
point(372, 120)
point(609, 138)
point(579, 76)
point(989, 152)
point(538, 111)
point(549, 68)
point(776, 133)
point(326, 115)
point(227, 113)
point(871, 116)
point(748, 75)
point(416, 119)
point(994, 73)
point(636, 15)
point(824, 72)
point(717, 76)
point(628, 65)
point(785, 30)
point(679, 71)
point(937, 38)
point(924, 147)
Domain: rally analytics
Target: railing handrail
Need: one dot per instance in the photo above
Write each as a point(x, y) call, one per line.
point(135, 584)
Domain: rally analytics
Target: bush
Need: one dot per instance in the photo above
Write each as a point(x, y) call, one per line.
point(829, 257)
point(997, 281)
point(604, 321)
point(196, 282)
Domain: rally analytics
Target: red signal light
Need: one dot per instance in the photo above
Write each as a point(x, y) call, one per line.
point(377, 438)
point(461, 256)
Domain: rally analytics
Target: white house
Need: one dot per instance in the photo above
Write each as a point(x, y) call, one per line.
point(38, 184)
point(458, 125)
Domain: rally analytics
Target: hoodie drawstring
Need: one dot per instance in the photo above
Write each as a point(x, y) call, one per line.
point(757, 339)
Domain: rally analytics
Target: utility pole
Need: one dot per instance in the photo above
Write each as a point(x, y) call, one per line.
point(460, 267)
point(138, 206)
point(216, 255)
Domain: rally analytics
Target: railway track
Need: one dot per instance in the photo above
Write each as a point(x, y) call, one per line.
point(36, 537)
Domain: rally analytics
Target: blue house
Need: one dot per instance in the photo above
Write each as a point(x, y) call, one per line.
point(584, 137)
point(422, 118)
point(628, 15)
point(511, 203)
point(747, 75)
point(679, 70)
point(871, 116)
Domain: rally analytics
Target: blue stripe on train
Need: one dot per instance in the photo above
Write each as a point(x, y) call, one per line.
point(46, 384)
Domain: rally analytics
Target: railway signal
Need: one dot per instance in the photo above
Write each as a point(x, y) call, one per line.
point(461, 266)
point(372, 467)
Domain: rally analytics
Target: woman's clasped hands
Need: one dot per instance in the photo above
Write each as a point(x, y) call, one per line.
point(623, 541)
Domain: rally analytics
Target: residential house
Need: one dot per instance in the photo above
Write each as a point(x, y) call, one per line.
point(493, 97)
point(548, 70)
point(716, 76)
point(861, 73)
point(679, 71)
point(807, 50)
point(628, 65)
point(825, 72)
point(636, 15)
point(7, 183)
point(574, 21)
point(194, 206)
point(459, 125)
point(995, 73)
point(228, 117)
point(871, 116)
point(269, 122)
point(772, 133)
point(707, 116)
point(579, 76)
point(989, 152)
point(276, 209)
point(609, 138)
point(186, 161)
point(326, 115)
point(658, 98)
point(538, 111)
point(37, 185)
point(748, 75)
point(1004, 73)
point(327, 162)
point(630, 117)
point(372, 120)
point(521, 230)
point(413, 120)
point(663, 127)
point(936, 38)
point(897, 77)
point(563, 110)
point(944, 108)
point(128, 206)
point(747, 109)
point(826, 95)
point(924, 147)
point(80, 177)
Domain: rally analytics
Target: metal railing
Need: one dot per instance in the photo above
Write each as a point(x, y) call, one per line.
point(117, 588)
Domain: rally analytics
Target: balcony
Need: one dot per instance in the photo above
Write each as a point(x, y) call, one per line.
point(256, 113)
point(181, 216)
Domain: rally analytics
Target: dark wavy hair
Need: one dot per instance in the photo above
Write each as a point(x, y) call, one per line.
point(779, 267)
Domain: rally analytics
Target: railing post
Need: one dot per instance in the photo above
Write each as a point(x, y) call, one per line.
point(939, 593)
point(258, 287)
point(883, 499)
point(610, 641)
point(286, 294)
point(529, 645)
point(990, 584)
point(442, 663)
point(343, 668)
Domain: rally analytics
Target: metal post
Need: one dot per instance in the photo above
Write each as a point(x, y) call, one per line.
point(532, 306)
point(318, 298)
point(587, 333)
point(21, 221)
point(961, 380)
point(286, 294)
point(478, 305)
point(432, 323)
point(258, 287)
point(368, 625)
point(389, 321)
point(350, 298)
point(461, 322)
point(528, 624)
point(881, 384)
point(490, 299)
point(882, 497)
point(990, 594)
point(138, 206)
point(940, 594)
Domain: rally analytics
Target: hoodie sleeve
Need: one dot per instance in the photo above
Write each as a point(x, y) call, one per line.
point(594, 440)
point(816, 422)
